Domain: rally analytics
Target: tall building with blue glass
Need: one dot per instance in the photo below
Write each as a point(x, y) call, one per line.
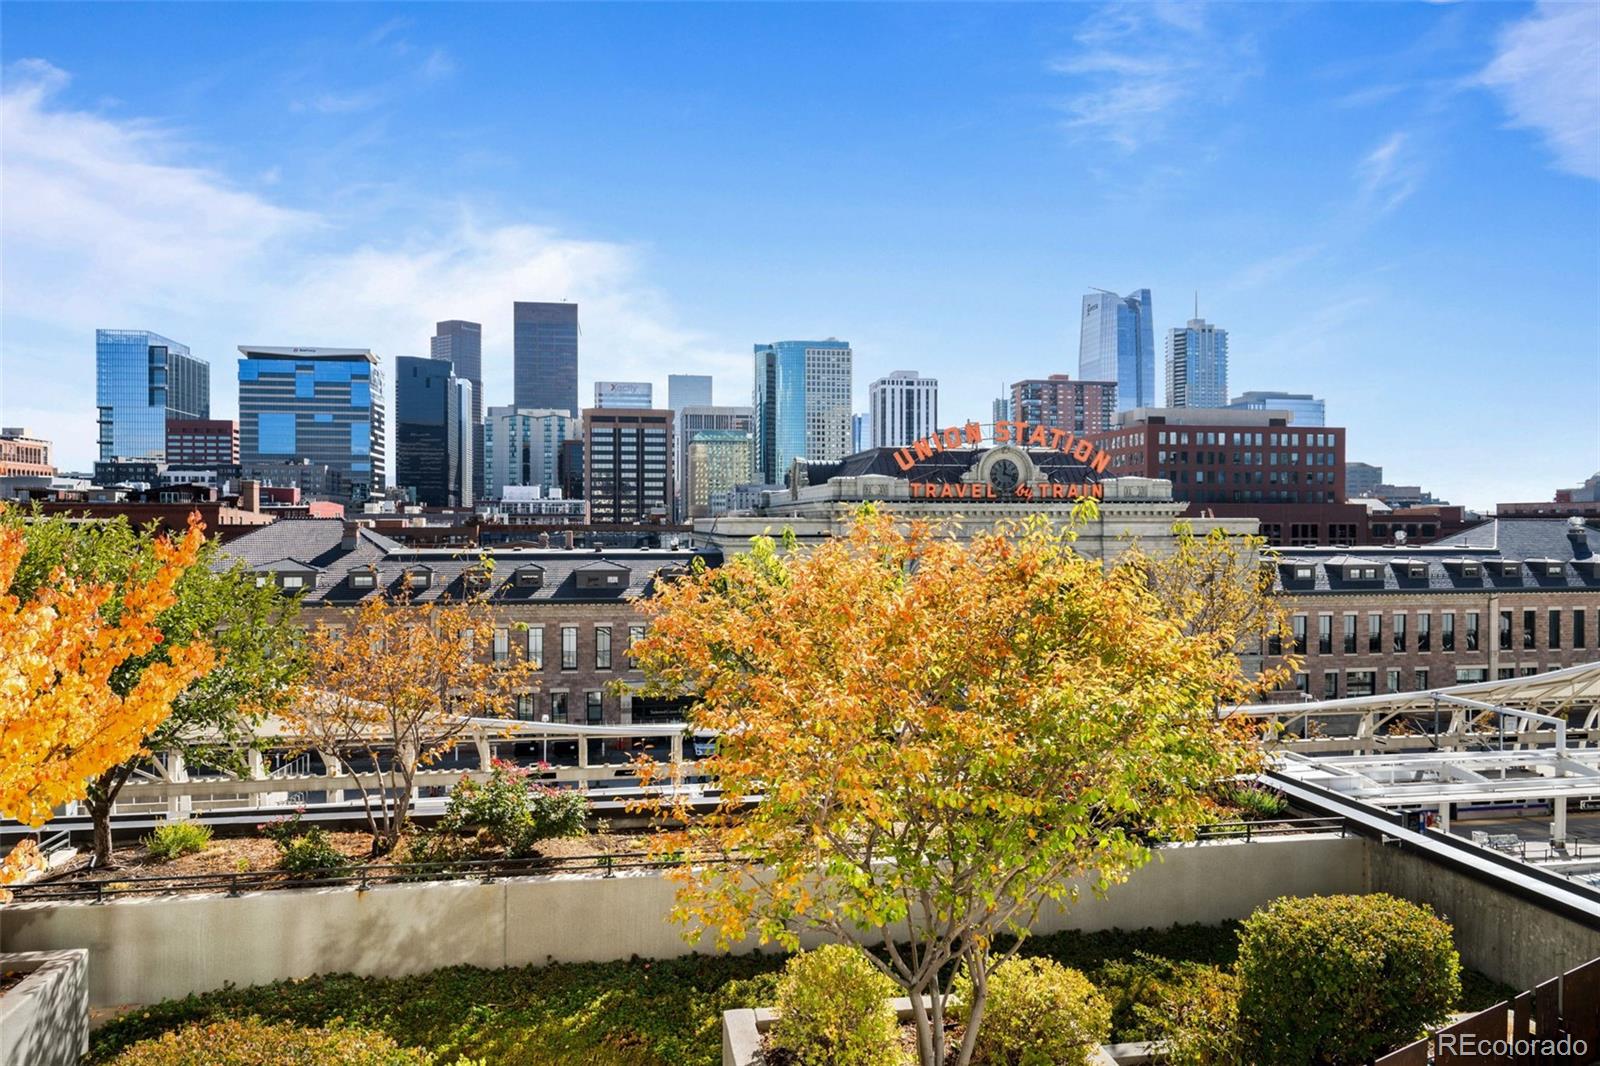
point(1117, 342)
point(142, 379)
point(802, 404)
point(428, 434)
point(1308, 410)
point(544, 356)
point(322, 405)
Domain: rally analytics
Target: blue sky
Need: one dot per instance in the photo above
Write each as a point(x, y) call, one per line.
point(1394, 206)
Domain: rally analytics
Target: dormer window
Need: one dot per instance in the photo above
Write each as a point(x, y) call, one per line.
point(1505, 568)
point(1469, 570)
point(417, 580)
point(1417, 570)
point(1303, 573)
point(475, 578)
point(529, 577)
point(262, 579)
point(363, 579)
point(293, 582)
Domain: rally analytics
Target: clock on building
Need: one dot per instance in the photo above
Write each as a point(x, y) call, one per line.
point(1003, 475)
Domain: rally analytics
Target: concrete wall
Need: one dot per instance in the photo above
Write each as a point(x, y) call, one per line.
point(44, 1021)
point(147, 949)
point(1507, 937)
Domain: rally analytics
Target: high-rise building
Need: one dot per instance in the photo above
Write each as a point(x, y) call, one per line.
point(24, 455)
point(427, 432)
point(627, 459)
point(569, 468)
point(718, 460)
point(324, 405)
point(696, 419)
point(544, 356)
point(142, 379)
point(202, 443)
point(1197, 365)
point(460, 343)
point(688, 390)
point(1058, 401)
point(626, 395)
point(1116, 342)
point(860, 433)
point(1360, 479)
point(1000, 410)
point(1307, 409)
point(469, 443)
point(523, 447)
point(802, 404)
point(904, 407)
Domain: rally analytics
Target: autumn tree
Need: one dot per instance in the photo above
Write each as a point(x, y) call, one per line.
point(396, 683)
point(64, 718)
point(945, 735)
point(252, 628)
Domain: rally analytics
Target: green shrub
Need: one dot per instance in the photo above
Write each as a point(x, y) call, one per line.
point(254, 1043)
point(511, 812)
point(282, 830)
point(1251, 802)
point(1199, 1020)
point(1136, 989)
point(1340, 979)
point(1037, 1013)
point(833, 1010)
point(176, 839)
point(311, 854)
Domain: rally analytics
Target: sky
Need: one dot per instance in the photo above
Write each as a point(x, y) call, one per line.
point(1393, 206)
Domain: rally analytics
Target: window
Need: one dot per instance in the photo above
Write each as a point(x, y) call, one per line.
point(525, 706)
point(1529, 671)
point(1528, 622)
point(1325, 634)
point(1505, 630)
point(593, 708)
point(1375, 632)
point(1330, 684)
point(1302, 683)
point(502, 645)
point(293, 581)
point(1298, 622)
point(1399, 634)
point(635, 635)
point(1553, 629)
point(1391, 681)
point(1507, 671)
point(1421, 680)
point(1467, 674)
point(1580, 639)
point(419, 579)
point(1349, 634)
point(1472, 632)
point(1447, 631)
point(558, 706)
point(569, 647)
point(1424, 631)
point(602, 647)
point(1360, 683)
point(536, 646)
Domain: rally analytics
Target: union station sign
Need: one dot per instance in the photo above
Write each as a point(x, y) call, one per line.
point(1013, 470)
point(1024, 434)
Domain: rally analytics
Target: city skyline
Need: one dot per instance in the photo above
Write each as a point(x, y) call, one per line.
point(1354, 266)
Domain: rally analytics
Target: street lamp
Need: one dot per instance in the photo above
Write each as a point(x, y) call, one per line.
point(545, 758)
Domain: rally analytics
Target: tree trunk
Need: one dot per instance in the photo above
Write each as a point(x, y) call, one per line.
point(101, 796)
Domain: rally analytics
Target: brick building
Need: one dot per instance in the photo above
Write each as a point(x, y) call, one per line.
point(24, 455)
point(572, 610)
point(1058, 401)
point(202, 443)
point(1508, 597)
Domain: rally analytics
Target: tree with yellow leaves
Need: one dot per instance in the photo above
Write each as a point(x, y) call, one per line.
point(62, 720)
point(396, 683)
point(943, 734)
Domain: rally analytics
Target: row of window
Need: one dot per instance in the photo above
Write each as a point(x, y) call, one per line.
point(1365, 682)
point(1291, 440)
point(1401, 635)
point(559, 707)
point(534, 646)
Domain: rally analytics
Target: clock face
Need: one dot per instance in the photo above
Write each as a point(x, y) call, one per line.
point(1004, 475)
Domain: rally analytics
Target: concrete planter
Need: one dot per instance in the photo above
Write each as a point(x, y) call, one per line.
point(44, 1021)
point(742, 1029)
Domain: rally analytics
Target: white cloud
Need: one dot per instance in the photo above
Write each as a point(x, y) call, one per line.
point(103, 225)
point(1547, 72)
point(1389, 174)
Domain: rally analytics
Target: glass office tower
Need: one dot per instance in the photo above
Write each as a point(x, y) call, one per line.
point(324, 405)
point(460, 343)
point(544, 356)
point(1197, 365)
point(427, 431)
point(802, 403)
point(142, 379)
point(1117, 343)
point(688, 390)
point(1308, 410)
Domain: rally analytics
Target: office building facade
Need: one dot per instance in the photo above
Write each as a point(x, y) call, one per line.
point(1116, 342)
point(1197, 365)
point(627, 460)
point(1060, 402)
point(1307, 409)
point(1362, 479)
point(696, 419)
point(718, 460)
point(624, 395)
point(903, 407)
point(688, 390)
point(202, 443)
point(322, 405)
point(142, 380)
point(544, 356)
point(523, 447)
point(460, 343)
point(24, 455)
point(427, 433)
point(802, 404)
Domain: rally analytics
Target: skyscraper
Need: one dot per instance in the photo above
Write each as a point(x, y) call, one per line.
point(142, 379)
point(1081, 406)
point(1307, 409)
point(903, 407)
point(324, 405)
point(630, 395)
point(427, 431)
point(544, 356)
point(718, 460)
point(688, 390)
point(627, 458)
point(523, 447)
point(460, 343)
point(696, 419)
point(802, 402)
point(1116, 342)
point(1197, 365)
point(469, 443)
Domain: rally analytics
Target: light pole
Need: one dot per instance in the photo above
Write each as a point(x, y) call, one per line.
point(544, 759)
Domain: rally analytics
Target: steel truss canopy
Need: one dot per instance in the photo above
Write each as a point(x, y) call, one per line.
point(1567, 689)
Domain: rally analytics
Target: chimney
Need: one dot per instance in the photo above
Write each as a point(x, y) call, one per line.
point(351, 537)
point(544, 540)
point(250, 495)
point(570, 538)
